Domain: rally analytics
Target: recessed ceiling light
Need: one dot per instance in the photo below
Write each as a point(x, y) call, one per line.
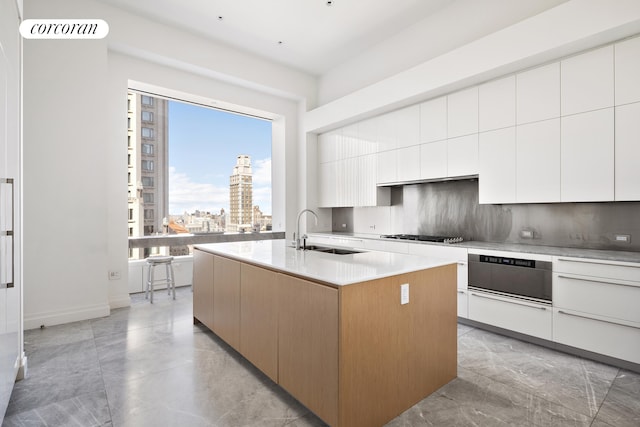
point(329, 2)
point(280, 42)
point(220, 18)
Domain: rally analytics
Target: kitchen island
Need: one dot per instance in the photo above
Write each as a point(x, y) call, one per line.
point(358, 338)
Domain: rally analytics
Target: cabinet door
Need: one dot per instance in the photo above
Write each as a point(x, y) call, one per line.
point(226, 300)
point(387, 167)
point(587, 157)
point(627, 60)
point(327, 147)
point(497, 108)
point(587, 81)
point(387, 132)
point(497, 166)
point(433, 160)
point(512, 314)
point(627, 152)
point(408, 163)
point(203, 287)
point(538, 94)
point(620, 340)
point(433, 120)
point(368, 135)
point(462, 113)
point(408, 126)
point(308, 345)
point(259, 318)
point(327, 185)
point(462, 155)
point(538, 162)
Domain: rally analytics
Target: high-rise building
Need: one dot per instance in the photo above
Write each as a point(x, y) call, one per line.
point(241, 195)
point(148, 167)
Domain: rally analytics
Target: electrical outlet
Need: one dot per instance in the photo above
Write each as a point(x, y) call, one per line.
point(114, 275)
point(526, 234)
point(404, 293)
point(623, 238)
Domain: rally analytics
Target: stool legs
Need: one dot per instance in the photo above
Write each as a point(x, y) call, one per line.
point(170, 280)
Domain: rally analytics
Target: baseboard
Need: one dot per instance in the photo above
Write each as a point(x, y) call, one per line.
point(34, 321)
point(120, 301)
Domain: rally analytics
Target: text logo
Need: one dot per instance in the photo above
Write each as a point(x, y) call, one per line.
point(64, 29)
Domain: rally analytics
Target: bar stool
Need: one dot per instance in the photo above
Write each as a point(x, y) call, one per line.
point(154, 261)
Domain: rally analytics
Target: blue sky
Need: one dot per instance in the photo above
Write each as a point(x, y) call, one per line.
point(203, 146)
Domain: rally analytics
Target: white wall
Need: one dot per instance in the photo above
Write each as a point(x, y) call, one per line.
point(75, 146)
point(455, 25)
point(569, 28)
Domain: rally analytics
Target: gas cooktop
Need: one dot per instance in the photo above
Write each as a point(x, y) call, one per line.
point(423, 238)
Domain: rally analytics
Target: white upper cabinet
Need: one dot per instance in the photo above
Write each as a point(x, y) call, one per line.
point(327, 185)
point(627, 152)
point(538, 94)
point(627, 60)
point(462, 156)
point(497, 166)
point(433, 120)
point(387, 168)
point(408, 164)
point(462, 113)
point(433, 160)
point(587, 81)
point(327, 146)
point(497, 106)
point(538, 162)
point(408, 126)
point(387, 132)
point(587, 157)
point(368, 136)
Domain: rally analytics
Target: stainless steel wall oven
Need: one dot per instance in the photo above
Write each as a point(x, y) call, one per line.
point(515, 277)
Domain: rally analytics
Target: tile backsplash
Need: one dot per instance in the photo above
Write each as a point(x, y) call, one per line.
point(451, 208)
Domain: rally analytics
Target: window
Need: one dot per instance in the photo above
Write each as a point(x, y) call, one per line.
point(130, 214)
point(147, 197)
point(129, 160)
point(130, 234)
point(129, 141)
point(148, 214)
point(147, 116)
point(147, 182)
point(147, 165)
point(147, 133)
point(147, 149)
point(129, 178)
point(128, 122)
point(147, 100)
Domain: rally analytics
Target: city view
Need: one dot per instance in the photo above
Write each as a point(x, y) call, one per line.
point(194, 169)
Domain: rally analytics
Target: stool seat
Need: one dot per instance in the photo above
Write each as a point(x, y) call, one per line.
point(154, 261)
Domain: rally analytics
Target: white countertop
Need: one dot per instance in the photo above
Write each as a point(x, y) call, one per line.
point(329, 268)
point(610, 255)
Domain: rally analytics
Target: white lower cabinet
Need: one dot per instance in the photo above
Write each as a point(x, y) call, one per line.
point(598, 334)
point(597, 306)
point(514, 314)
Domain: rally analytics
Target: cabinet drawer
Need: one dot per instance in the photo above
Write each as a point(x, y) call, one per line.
point(463, 303)
point(510, 313)
point(590, 267)
point(621, 341)
point(619, 300)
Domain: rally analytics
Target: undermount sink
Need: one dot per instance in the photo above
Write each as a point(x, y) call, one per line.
point(328, 250)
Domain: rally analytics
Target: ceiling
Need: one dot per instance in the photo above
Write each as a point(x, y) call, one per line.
point(311, 35)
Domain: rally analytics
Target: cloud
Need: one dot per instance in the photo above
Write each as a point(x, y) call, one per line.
point(261, 172)
point(187, 196)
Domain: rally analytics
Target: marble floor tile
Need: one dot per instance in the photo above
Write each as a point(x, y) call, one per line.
point(87, 410)
point(149, 365)
point(580, 384)
point(475, 400)
point(621, 408)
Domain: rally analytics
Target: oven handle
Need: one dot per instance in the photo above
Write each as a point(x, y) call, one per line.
point(510, 302)
point(597, 320)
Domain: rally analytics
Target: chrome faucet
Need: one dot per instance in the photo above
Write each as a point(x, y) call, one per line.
point(303, 238)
